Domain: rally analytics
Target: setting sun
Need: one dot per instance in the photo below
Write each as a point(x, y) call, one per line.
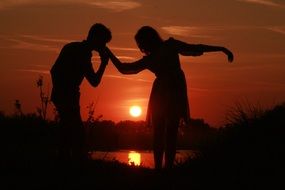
point(135, 111)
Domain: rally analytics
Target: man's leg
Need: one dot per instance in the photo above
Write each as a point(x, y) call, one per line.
point(64, 134)
point(72, 135)
point(79, 152)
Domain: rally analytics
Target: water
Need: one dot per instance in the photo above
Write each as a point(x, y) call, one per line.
point(139, 158)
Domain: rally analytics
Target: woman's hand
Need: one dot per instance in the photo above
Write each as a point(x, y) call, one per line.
point(229, 54)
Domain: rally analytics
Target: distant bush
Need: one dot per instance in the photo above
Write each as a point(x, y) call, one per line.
point(250, 144)
point(26, 138)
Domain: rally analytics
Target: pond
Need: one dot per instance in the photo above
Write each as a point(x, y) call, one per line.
point(141, 158)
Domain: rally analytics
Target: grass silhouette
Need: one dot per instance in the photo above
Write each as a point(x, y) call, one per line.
point(247, 153)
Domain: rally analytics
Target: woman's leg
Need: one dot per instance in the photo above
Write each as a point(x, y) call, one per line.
point(158, 142)
point(171, 138)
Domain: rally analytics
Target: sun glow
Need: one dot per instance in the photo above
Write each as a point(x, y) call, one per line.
point(134, 158)
point(135, 111)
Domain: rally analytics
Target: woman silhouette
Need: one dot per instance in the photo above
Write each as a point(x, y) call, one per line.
point(168, 102)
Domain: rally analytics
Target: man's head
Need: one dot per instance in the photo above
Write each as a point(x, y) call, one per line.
point(98, 36)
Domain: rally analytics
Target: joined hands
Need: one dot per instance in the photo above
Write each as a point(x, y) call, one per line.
point(104, 55)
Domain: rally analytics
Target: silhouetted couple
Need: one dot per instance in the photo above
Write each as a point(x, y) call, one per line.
point(168, 104)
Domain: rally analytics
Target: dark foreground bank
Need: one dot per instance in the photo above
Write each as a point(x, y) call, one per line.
point(248, 153)
point(194, 174)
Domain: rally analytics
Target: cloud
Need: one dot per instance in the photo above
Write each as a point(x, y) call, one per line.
point(20, 44)
point(34, 71)
point(13, 3)
point(32, 42)
point(124, 49)
point(122, 58)
point(204, 32)
point(185, 31)
point(277, 29)
point(263, 2)
point(46, 43)
point(199, 89)
point(46, 39)
point(127, 58)
point(117, 5)
point(127, 78)
point(136, 100)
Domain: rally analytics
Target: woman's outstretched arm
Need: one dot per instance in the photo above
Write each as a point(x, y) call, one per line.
point(198, 49)
point(126, 68)
point(208, 48)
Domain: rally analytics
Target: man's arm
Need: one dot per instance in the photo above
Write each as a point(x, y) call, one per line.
point(95, 78)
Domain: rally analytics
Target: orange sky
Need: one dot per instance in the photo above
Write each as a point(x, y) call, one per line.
point(33, 32)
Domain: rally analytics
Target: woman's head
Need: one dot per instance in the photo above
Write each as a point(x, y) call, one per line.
point(148, 39)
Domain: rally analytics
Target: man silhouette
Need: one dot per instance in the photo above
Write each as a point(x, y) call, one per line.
point(71, 67)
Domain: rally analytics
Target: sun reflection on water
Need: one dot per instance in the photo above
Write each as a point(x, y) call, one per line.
point(138, 158)
point(134, 158)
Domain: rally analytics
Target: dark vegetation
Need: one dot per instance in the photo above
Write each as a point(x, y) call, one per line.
point(246, 153)
point(107, 135)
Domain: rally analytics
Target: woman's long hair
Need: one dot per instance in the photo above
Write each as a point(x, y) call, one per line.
point(148, 39)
